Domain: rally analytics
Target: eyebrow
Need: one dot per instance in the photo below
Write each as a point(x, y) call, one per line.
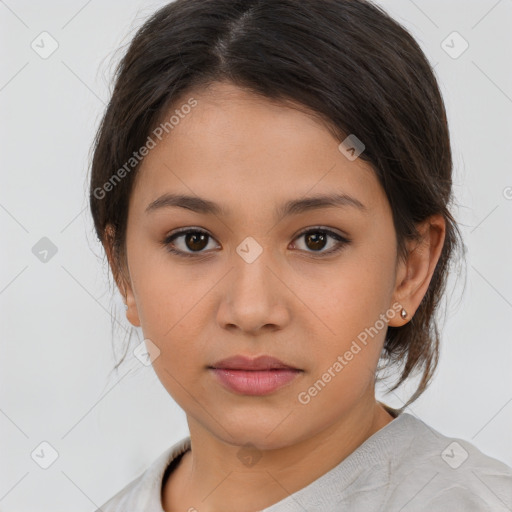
point(292, 207)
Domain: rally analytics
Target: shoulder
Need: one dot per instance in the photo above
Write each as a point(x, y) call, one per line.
point(143, 493)
point(432, 472)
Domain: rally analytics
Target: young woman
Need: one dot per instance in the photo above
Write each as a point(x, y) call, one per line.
point(271, 182)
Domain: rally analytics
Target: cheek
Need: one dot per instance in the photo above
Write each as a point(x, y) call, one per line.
point(165, 291)
point(172, 303)
point(181, 362)
point(343, 363)
point(356, 294)
point(177, 377)
point(355, 305)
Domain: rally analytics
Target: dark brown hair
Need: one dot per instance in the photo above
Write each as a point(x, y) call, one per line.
point(346, 61)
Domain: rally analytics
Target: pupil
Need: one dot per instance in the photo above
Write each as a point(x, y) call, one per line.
point(317, 240)
point(196, 237)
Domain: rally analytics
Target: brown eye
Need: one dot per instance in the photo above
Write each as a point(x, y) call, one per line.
point(188, 242)
point(317, 239)
point(196, 241)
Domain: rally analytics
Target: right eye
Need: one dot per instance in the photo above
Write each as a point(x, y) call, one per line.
point(195, 240)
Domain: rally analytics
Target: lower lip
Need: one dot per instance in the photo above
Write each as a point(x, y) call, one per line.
point(255, 382)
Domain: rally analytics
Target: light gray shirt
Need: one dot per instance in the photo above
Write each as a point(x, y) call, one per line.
point(406, 466)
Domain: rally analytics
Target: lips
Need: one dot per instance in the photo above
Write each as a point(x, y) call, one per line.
point(260, 376)
point(245, 363)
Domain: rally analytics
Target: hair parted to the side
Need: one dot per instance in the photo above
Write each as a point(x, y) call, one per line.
point(347, 62)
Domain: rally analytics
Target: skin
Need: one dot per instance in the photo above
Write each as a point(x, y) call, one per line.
point(251, 155)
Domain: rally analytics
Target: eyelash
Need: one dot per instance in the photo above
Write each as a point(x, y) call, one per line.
point(342, 242)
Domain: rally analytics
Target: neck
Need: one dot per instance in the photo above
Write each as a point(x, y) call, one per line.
point(210, 477)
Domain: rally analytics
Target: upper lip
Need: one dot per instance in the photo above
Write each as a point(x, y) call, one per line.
point(246, 363)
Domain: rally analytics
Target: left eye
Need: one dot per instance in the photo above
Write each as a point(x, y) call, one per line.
point(317, 239)
point(195, 241)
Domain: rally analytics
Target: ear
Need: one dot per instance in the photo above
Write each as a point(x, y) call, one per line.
point(121, 277)
point(415, 272)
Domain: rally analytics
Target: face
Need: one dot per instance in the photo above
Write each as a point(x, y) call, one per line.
point(255, 278)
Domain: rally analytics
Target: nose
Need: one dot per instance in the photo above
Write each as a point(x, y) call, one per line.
point(253, 297)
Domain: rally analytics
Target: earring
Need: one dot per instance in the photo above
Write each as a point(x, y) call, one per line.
point(126, 307)
point(403, 313)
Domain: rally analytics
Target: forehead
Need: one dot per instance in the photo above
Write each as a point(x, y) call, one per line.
point(236, 145)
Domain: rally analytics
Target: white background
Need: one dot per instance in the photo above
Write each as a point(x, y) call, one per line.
point(56, 336)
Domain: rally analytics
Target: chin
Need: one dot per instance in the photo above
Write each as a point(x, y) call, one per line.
point(262, 434)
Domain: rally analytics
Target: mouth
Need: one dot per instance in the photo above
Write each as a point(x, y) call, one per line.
point(255, 382)
point(260, 376)
point(246, 363)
